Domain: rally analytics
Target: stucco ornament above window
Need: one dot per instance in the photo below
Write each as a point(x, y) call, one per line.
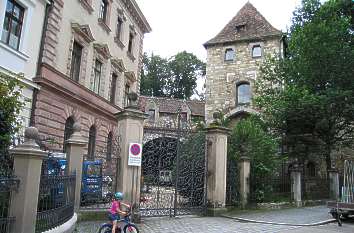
point(103, 50)
point(84, 31)
point(130, 76)
point(118, 64)
point(86, 4)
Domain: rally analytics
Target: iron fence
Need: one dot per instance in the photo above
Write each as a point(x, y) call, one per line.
point(232, 183)
point(315, 188)
point(270, 188)
point(7, 185)
point(55, 200)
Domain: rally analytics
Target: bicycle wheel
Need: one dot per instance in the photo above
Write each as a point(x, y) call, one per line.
point(130, 228)
point(106, 228)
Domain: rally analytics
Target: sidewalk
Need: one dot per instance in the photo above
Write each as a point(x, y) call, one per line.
point(310, 216)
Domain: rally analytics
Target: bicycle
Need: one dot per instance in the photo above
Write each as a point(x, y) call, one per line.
point(129, 227)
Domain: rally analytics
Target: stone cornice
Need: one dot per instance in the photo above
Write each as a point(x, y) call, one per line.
point(132, 113)
point(218, 130)
point(138, 16)
point(74, 91)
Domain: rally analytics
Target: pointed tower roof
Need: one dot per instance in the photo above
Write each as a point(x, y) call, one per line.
point(246, 25)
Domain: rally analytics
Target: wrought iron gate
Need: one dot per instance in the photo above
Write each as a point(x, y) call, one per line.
point(173, 172)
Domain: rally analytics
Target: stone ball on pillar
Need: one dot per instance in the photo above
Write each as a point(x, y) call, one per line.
point(133, 99)
point(76, 127)
point(31, 134)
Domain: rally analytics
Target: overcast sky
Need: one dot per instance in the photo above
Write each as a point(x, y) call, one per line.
point(179, 25)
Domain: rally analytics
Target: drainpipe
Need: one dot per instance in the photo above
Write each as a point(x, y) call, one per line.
point(48, 9)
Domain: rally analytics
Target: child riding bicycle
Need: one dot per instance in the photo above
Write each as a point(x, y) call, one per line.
point(116, 211)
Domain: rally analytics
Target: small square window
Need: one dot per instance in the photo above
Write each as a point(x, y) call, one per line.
point(256, 51)
point(229, 54)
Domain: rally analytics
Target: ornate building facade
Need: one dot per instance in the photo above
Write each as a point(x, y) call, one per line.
point(92, 57)
point(233, 59)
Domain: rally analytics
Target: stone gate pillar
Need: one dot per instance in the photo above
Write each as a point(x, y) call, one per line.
point(27, 167)
point(130, 128)
point(244, 169)
point(296, 192)
point(217, 165)
point(333, 184)
point(75, 156)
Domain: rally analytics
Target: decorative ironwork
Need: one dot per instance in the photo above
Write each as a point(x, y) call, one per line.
point(7, 185)
point(55, 200)
point(232, 183)
point(109, 176)
point(315, 188)
point(173, 172)
point(270, 188)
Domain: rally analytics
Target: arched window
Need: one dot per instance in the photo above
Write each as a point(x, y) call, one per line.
point(92, 143)
point(229, 54)
point(311, 169)
point(243, 93)
point(109, 146)
point(68, 131)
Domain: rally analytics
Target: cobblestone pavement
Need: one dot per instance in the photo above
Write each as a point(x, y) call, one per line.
point(204, 225)
point(305, 215)
point(189, 224)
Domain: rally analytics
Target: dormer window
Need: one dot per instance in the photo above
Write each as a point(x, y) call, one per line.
point(229, 54)
point(240, 27)
point(256, 51)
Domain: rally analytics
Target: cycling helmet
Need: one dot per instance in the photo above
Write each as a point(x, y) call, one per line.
point(118, 196)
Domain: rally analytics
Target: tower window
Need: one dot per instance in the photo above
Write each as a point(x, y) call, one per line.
point(229, 54)
point(243, 93)
point(256, 51)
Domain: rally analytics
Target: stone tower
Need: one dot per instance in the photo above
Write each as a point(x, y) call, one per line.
point(233, 59)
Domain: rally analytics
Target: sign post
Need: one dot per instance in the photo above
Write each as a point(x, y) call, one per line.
point(134, 158)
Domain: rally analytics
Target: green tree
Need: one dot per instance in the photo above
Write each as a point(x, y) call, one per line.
point(154, 75)
point(10, 106)
point(174, 78)
point(250, 138)
point(185, 69)
point(308, 96)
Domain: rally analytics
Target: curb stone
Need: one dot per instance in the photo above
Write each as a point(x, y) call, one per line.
point(277, 223)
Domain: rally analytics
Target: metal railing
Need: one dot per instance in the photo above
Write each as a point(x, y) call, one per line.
point(315, 188)
point(7, 185)
point(55, 201)
point(270, 189)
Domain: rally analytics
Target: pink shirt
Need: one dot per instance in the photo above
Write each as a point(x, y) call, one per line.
point(115, 207)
